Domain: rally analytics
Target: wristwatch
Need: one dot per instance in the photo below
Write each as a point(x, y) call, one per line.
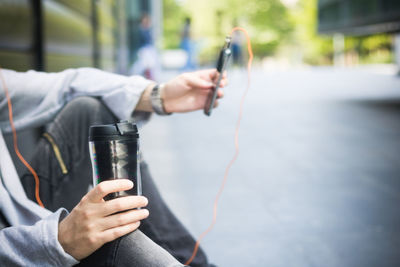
point(156, 100)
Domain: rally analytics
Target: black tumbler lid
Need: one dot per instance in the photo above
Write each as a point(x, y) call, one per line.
point(122, 130)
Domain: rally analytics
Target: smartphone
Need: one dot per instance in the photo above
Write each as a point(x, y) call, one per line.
point(221, 65)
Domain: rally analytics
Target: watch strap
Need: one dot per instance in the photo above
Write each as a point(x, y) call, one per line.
point(156, 100)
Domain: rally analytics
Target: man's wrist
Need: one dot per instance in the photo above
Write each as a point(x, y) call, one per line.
point(144, 103)
point(157, 101)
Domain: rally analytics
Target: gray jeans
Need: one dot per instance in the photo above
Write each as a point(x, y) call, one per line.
point(135, 249)
point(65, 179)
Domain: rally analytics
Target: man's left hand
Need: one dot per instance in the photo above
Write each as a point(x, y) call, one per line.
point(189, 91)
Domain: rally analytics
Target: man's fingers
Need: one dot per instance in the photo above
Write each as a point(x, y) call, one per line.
point(198, 82)
point(114, 233)
point(220, 94)
point(213, 74)
point(224, 80)
point(206, 79)
point(208, 74)
point(104, 188)
point(124, 218)
point(123, 203)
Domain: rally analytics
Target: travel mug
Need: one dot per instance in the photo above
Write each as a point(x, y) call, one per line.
point(114, 152)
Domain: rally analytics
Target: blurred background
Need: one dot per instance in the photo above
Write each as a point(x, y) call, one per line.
point(53, 35)
point(317, 181)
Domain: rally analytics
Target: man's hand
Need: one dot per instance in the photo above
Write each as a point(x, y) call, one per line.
point(93, 221)
point(189, 91)
point(186, 92)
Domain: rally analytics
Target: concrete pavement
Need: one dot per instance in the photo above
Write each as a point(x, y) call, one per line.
point(317, 181)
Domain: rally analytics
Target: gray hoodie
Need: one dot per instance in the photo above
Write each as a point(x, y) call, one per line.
point(32, 239)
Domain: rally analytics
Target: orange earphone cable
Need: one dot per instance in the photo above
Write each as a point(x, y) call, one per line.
point(250, 52)
point(21, 158)
point(214, 219)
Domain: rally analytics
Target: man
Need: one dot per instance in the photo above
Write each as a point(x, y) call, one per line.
point(40, 237)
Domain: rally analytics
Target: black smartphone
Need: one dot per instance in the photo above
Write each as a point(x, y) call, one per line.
point(221, 65)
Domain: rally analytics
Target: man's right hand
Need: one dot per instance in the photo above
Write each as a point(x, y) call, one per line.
point(93, 221)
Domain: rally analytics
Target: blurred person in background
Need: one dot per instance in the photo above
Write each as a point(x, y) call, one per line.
point(188, 46)
point(236, 46)
point(147, 63)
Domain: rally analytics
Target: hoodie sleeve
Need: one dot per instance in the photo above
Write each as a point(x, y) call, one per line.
point(38, 96)
point(35, 245)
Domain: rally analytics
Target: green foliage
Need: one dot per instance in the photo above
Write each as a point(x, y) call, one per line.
point(269, 20)
point(367, 44)
point(266, 20)
point(273, 28)
point(173, 16)
point(315, 49)
point(371, 49)
point(318, 49)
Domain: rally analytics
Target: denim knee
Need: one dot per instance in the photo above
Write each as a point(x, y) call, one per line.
point(85, 110)
point(83, 104)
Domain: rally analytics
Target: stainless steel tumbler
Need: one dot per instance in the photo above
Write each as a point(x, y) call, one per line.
point(114, 151)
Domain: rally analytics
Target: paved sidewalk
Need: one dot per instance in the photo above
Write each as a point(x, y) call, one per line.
point(317, 181)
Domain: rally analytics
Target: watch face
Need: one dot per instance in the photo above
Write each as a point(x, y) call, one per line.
point(155, 91)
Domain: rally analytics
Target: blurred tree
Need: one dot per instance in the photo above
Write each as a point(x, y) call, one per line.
point(315, 49)
point(371, 49)
point(173, 15)
point(266, 20)
point(318, 49)
point(271, 25)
